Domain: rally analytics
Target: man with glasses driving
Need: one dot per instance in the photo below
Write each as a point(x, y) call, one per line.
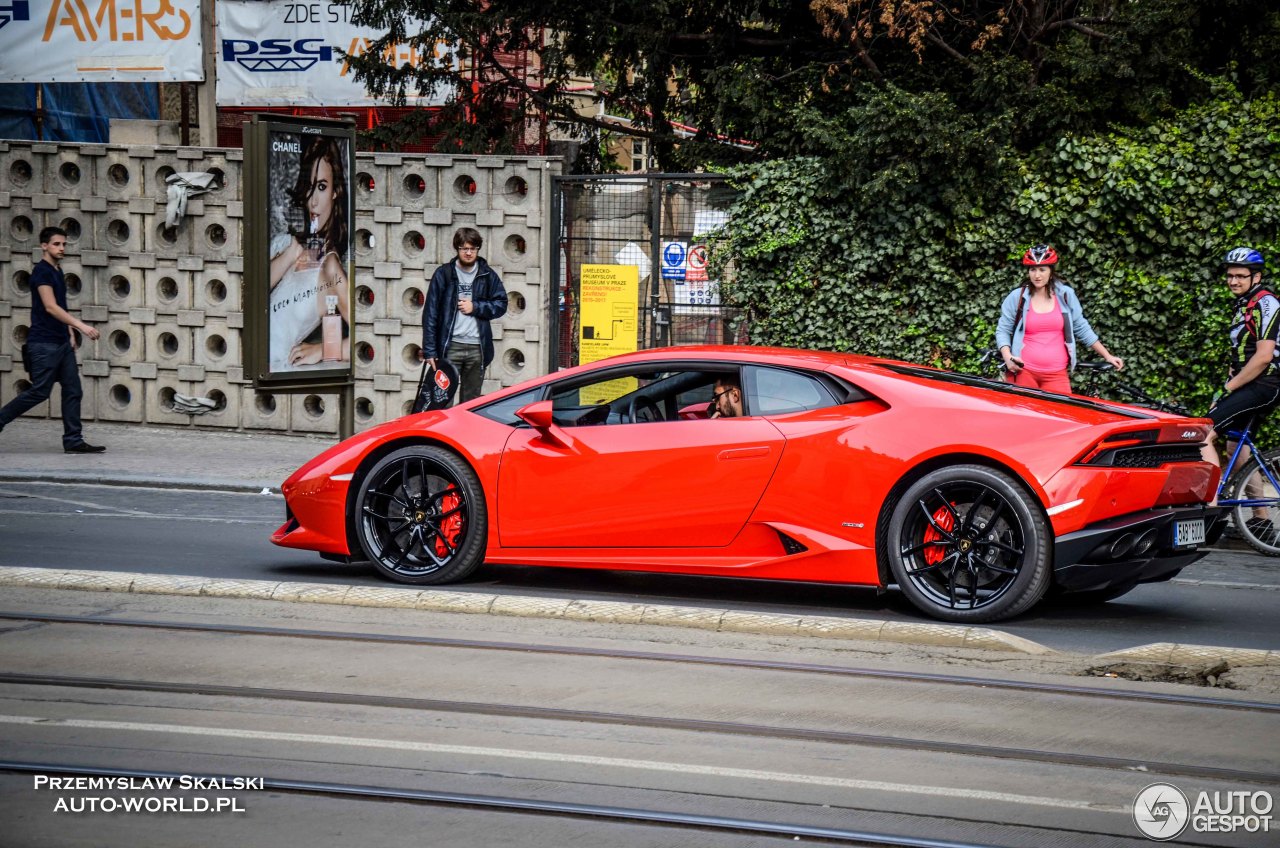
point(726, 398)
point(1253, 385)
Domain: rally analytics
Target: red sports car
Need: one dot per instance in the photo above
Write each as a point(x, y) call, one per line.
point(975, 498)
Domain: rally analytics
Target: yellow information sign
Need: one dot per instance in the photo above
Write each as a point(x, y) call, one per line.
point(609, 298)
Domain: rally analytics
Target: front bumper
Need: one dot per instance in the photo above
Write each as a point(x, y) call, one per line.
point(1095, 556)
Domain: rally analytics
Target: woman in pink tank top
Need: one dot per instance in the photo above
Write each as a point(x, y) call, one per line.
point(1040, 323)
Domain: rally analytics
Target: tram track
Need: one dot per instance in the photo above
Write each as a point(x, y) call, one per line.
point(924, 678)
point(649, 722)
point(536, 806)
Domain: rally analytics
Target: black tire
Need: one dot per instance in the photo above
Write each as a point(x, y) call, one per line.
point(1262, 534)
point(968, 544)
point(421, 517)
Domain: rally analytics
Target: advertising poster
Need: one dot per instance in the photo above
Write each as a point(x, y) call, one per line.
point(609, 297)
point(291, 54)
point(101, 41)
point(309, 215)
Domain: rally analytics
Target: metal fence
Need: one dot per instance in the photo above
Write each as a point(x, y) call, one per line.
point(663, 225)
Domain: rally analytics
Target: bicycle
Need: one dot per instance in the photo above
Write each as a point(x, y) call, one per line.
point(1245, 491)
point(987, 369)
point(1129, 392)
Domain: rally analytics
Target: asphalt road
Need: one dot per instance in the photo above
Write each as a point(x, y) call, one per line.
point(368, 710)
point(227, 535)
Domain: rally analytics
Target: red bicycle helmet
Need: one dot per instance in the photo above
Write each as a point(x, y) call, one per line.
point(1041, 254)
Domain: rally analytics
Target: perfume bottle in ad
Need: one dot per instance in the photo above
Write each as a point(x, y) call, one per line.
point(331, 330)
point(315, 244)
point(313, 251)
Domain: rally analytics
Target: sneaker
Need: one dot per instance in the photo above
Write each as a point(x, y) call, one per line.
point(1261, 528)
point(84, 447)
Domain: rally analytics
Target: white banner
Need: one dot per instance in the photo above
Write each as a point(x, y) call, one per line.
point(287, 54)
point(100, 41)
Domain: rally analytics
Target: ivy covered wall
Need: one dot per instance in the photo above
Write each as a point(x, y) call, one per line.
point(904, 243)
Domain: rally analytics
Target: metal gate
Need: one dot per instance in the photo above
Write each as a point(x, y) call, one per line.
point(660, 223)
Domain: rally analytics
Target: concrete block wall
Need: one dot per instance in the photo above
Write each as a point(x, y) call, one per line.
point(169, 302)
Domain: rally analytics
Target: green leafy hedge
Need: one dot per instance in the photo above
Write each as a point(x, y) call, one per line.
point(900, 236)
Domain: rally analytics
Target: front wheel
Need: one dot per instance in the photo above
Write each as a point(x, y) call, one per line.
point(1258, 483)
point(968, 544)
point(421, 516)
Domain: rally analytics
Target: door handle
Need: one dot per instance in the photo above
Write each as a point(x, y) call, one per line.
point(745, 453)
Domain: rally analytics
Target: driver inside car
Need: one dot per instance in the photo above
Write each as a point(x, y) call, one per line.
point(726, 400)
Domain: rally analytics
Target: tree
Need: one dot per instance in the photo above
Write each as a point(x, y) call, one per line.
point(761, 71)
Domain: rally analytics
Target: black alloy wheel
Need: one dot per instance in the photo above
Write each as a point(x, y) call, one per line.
point(969, 544)
point(421, 516)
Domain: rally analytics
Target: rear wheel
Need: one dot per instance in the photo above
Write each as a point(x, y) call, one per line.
point(1257, 523)
point(421, 516)
point(968, 544)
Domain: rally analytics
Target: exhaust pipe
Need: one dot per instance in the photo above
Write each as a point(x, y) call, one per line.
point(1145, 543)
point(1121, 546)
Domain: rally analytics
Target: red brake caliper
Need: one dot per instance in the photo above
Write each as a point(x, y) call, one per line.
point(451, 527)
point(944, 519)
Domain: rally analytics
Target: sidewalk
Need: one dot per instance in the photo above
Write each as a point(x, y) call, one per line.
point(138, 454)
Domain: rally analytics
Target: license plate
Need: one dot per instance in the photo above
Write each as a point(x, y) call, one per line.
point(1189, 532)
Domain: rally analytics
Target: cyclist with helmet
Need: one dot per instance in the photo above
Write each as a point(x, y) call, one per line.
point(1040, 323)
point(1253, 385)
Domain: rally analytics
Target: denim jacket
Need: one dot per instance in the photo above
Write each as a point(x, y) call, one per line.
point(1074, 327)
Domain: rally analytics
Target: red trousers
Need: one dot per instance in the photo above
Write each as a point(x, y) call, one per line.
point(1050, 381)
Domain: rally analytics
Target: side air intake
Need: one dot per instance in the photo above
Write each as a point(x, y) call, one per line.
point(790, 545)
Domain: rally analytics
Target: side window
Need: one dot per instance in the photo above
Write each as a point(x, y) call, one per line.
point(633, 397)
point(772, 391)
point(504, 411)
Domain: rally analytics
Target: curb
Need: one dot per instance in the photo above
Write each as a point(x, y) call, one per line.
point(1169, 653)
point(610, 612)
point(137, 481)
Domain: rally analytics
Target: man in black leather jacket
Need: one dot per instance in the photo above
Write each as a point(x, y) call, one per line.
point(464, 296)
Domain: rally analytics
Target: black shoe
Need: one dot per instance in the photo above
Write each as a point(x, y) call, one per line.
point(1261, 528)
point(84, 447)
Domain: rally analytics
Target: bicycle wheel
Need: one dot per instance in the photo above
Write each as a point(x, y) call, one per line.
point(1257, 522)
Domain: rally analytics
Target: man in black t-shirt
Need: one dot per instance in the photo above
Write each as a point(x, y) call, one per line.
point(51, 343)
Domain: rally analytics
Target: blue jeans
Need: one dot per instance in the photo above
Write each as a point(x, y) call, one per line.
point(51, 363)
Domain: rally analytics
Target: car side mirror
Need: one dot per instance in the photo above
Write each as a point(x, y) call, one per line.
point(538, 415)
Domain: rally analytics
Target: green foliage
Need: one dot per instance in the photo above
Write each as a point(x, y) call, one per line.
point(905, 242)
point(747, 69)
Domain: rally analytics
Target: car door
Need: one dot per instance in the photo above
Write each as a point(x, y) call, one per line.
point(682, 483)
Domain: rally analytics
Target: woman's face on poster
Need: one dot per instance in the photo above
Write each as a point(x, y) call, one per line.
point(320, 200)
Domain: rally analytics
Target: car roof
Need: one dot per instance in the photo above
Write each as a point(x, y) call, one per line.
point(852, 364)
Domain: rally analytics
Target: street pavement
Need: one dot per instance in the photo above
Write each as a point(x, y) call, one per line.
point(168, 457)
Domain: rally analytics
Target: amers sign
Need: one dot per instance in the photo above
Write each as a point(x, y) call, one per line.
point(100, 41)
